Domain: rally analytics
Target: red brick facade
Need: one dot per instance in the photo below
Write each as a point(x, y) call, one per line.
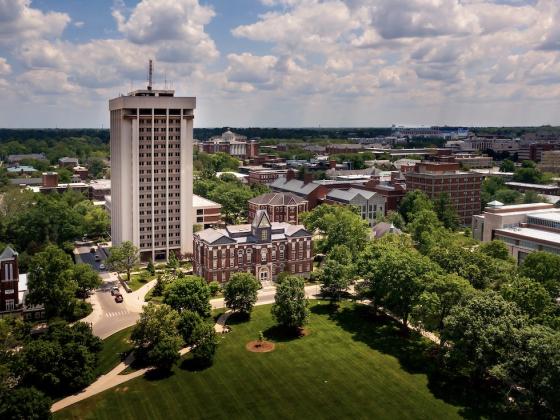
point(9, 281)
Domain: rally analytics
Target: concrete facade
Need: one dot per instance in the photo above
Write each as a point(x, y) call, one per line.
point(152, 172)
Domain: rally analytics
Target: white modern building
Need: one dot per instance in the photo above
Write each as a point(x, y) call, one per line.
point(370, 203)
point(152, 171)
point(523, 227)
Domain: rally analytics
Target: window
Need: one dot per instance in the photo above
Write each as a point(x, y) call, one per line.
point(264, 255)
point(281, 252)
point(240, 257)
point(10, 305)
point(264, 235)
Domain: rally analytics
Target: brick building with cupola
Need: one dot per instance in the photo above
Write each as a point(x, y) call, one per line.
point(263, 248)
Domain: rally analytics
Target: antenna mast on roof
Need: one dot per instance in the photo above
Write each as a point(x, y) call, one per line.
point(150, 74)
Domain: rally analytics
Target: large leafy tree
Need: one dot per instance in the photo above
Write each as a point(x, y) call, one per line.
point(495, 249)
point(123, 258)
point(425, 228)
point(188, 320)
point(533, 363)
point(155, 336)
point(51, 281)
point(529, 295)
point(189, 293)
point(25, 403)
point(442, 292)
point(413, 203)
point(205, 343)
point(446, 213)
point(338, 225)
point(543, 267)
point(86, 278)
point(291, 307)
point(335, 279)
point(240, 293)
point(399, 275)
point(480, 332)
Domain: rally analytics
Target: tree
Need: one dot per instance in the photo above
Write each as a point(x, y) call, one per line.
point(123, 258)
point(441, 294)
point(86, 278)
point(188, 320)
point(155, 336)
point(335, 278)
point(495, 249)
point(240, 293)
point(51, 281)
point(480, 330)
point(507, 166)
point(533, 363)
point(214, 288)
point(399, 274)
point(414, 202)
point(338, 225)
point(446, 213)
point(205, 343)
point(150, 268)
point(425, 228)
point(529, 295)
point(172, 262)
point(190, 292)
point(291, 307)
point(96, 222)
point(25, 404)
point(96, 167)
point(543, 267)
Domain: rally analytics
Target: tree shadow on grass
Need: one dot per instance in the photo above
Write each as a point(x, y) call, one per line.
point(193, 365)
point(414, 353)
point(280, 333)
point(158, 374)
point(237, 318)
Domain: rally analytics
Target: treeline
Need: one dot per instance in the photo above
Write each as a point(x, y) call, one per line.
point(55, 143)
point(293, 133)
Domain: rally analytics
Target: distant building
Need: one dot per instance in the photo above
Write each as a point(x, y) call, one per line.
point(263, 248)
point(49, 183)
point(523, 227)
point(81, 172)
point(265, 176)
point(495, 144)
point(68, 162)
point(551, 189)
point(280, 206)
point(332, 149)
point(370, 203)
point(233, 144)
point(16, 159)
point(99, 188)
point(21, 170)
point(550, 161)
point(207, 212)
point(435, 178)
point(474, 161)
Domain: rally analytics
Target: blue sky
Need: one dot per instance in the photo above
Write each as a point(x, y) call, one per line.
point(285, 62)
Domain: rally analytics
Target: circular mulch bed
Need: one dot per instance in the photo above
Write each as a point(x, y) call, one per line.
point(260, 346)
point(303, 332)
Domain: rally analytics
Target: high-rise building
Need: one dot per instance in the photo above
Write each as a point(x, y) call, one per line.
point(151, 172)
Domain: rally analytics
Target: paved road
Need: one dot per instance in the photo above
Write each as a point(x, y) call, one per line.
point(86, 256)
point(114, 316)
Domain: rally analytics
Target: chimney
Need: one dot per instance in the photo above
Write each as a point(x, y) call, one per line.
point(307, 178)
point(290, 175)
point(50, 179)
point(332, 164)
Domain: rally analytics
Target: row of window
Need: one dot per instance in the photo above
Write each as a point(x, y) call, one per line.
point(156, 171)
point(159, 138)
point(156, 129)
point(149, 155)
point(160, 121)
point(149, 244)
point(142, 163)
point(163, 146)
point(157, 235)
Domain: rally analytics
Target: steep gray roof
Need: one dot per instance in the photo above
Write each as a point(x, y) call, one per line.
point(295, 186)
point(8, 253)
point(348, 195)
point(277, 199)
point(383, 228)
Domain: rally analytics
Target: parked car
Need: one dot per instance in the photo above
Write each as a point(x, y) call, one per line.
point(102, 266)
point(97, 257)
point(115, 290)
point(92, 250)
point(118, 298)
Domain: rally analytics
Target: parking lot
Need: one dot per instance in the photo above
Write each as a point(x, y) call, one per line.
point(83, 254)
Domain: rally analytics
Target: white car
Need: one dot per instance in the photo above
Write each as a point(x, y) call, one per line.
point(102, 266)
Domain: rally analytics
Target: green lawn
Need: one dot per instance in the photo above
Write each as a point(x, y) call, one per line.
point(113, 346)
point(137, 281)
point(349, 366)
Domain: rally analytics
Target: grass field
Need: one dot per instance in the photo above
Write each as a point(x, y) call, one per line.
point(113, 346)
point(348, 366)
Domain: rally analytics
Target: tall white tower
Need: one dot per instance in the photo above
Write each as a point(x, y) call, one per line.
point(152, 171)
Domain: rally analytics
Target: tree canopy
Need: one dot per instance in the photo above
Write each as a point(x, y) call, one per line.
point(291, 307)
point(240, 293)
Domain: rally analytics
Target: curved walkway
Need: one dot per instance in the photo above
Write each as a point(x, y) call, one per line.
point(114, 377)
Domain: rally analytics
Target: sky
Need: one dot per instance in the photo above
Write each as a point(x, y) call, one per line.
point(285, 63)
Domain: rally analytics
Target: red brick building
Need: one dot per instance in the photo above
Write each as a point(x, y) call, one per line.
point(265, 176)
point(435, 178)
point(263, 248)
point(9, 281)
point(281, 207)
point(313, 192)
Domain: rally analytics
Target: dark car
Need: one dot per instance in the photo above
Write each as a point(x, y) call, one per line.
point(115, 290)
point(118, 298)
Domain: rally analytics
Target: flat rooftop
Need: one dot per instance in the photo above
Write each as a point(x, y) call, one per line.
point(553, 216)
point(199, 202)
point(527, 185)
point(530, 233)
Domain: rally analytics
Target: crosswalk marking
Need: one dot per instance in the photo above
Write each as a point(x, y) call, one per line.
point(118, 313)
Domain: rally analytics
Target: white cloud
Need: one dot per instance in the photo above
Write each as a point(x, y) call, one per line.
point(19, 21)
point(5, 67)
